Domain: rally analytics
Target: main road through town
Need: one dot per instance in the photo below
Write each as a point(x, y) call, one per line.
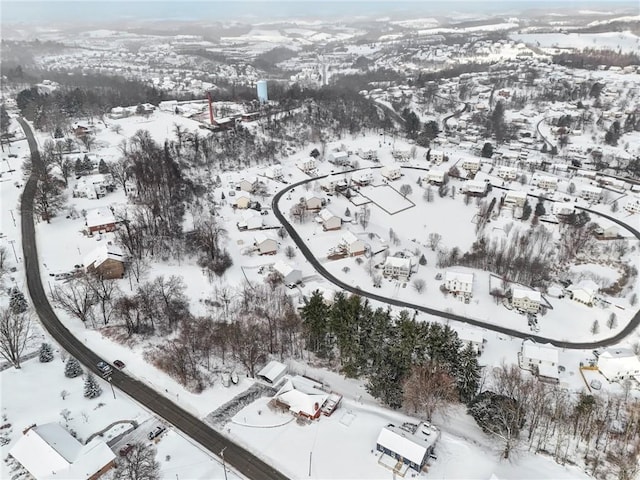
point(239, 458)
point(627, 330)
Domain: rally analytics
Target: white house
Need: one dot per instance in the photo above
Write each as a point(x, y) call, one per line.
point(265, 244)
point(562, 209)
point(371, 155)
point(396, 267)
point(313, 201)
point(307, 165)
point(328, 220)
point(436, 156)
point(471, 336)
point(93, 186)
point(633, 205)
point(49, 451)
point(338, 158)
point(274, 172)
point(526, 300)
point(248, 184)
point(515, 198)
point(362, 177)
point(351, 244)
point(619, 364)
point(458, 282)
point(242, 200)
point(391, 172)
point(540, 359)
point(273, 372)
point(547, 182)
point(475, 188)
point(584, 292)
point(410, 449)
point(435, 177)
point(289, 274)
point(590, 193)
point(507, 173)
point(331, 184)
point(471, 165)
point(250, 220)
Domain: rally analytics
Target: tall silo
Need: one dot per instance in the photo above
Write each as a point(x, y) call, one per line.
point(261, 87)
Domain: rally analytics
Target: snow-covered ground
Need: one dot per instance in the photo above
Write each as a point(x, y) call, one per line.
point(627, 42)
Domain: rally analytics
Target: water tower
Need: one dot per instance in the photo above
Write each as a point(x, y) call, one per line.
point(261, 88)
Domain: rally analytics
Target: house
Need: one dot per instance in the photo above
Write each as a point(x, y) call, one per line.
point(471, 336)
point(333, 184)
point(507, 173)
point(408, 449)
point(471, 165)
point(118, 112)
point(289, 274)
point(106, 261)
point(539, 359)
point(633, 205)
point(457, 282)
point(396, 267)
point(339, 158)
point(401, 156)
point(168, 106)
point(307, 165)
point(547, 182)
point(434, 177)
point(49, 451)
point(328, 220)
point(351, 244)
point(515, 198)
point(617, 364)
point(248, 184)
point(273, 372)
point(590, 193)
point(391, 172)
point(265, 244)
point(526, 300)
point(562, 209)
point(100, 220)
point(250, 220)
point(242, 200)
point(302, 396)
point(274, 172)
point(475, 188)
point(584, 292)
point(608, 233)
point(371, 155)
point(436, 156)
point(362, 177)
point(130, 189)
point(313, 201)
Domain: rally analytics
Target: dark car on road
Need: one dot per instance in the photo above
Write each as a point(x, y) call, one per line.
point(157, 432)
point(104, 368)
point(119, 364)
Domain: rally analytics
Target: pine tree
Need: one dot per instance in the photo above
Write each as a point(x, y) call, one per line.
point(423, 260)
point(467, 374)
point(102, 166)
point(72, 369)
point(17, 302)
point(91, 387)
point(46, 353)
point(595, 327)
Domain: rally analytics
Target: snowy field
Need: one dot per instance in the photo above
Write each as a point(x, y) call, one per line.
point(624, 41)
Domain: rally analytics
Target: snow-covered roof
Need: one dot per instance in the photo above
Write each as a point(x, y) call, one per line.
point(540, 352)
point(283, 267)
point(100, 216)
point(475, 186)
point(349, 237)
point(326, 214)
point(589, 286)
point(262, 237)
point(516, 194)
point(472, 335)
point(412, 447)
point(459, 276)
point(49, 451)
point(102, 253)
point(530, 294)
point(392, 167)
point(617, 362)
point(398, 262)
point(302, 395)
point(590, 188)
point(272, 371)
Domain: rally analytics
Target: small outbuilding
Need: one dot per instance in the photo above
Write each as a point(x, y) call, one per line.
point(290, 275)
point(273, 372)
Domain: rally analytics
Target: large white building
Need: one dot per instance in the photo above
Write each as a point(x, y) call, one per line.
point(396, 267)
point(539, 359)
point(619, 364)
point(526, 300)
point(458, 282)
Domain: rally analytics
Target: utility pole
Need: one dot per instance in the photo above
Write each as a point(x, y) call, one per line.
point(224, 465)
point(310, 453)
point(13, 218)
point(12, 242)
point(112, 390)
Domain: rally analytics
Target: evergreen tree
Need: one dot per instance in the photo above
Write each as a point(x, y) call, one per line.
point(526, 211)
point(58, 132)
point(5, 120)
point(91, 387)
point(17, 302)
point(467, 374)
point(102, 166)
point(46, 353)
point(79, 168)
point(487, 150)
point(423, 260)
point(72, 368)
point(540, 210)
point(315, 315)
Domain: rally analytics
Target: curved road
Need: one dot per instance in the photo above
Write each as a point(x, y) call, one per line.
point(627, 330)
point(242, 460)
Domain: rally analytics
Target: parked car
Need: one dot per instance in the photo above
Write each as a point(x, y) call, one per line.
point(119, 364)
point(126, 449)
point(157, 432)
point(104, 368)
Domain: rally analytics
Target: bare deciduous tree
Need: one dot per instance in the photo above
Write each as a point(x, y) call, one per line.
point(15, 332)
point(138, 464)
point(429, 388)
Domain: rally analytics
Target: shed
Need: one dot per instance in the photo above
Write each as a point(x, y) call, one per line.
point(273, 372)
point(289, 274)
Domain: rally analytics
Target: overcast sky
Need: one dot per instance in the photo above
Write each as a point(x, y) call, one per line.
point(43, 11)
